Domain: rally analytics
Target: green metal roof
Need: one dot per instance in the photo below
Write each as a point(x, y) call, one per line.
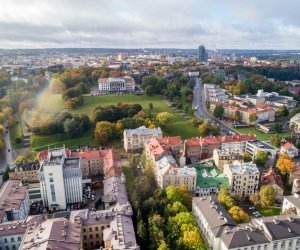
point(210, 176)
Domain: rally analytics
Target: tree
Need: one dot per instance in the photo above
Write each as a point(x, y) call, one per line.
point(206, 128)
point(156, 230)
point(261, 158)
point(247, 157)
point(277, 127)
point(5, 175)
point(150, 106)
point(142, 233)
point(238, 115)
point(253, 118)
point(20, 158)
point(254, 198)
point(103, 132)
point(285, 165)
point(219, 111)
point(238, 214)
point(297, 144)
point(163, 246)
point(224, 198)
point(276, 140)
point(164, 119)
point(176, 207)
point(149, 90)
point(267, 196)
point(180, 194)
point(72, 127)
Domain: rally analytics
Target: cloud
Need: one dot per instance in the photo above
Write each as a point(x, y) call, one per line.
point(253, 24)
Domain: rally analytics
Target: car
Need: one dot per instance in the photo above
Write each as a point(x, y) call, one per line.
point(251, 208)
point(93, 198)
point(8, 150)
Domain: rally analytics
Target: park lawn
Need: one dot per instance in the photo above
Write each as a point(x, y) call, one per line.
point(16, 132)
point(270, 211)
point(260, 135)
point(180, 126)
point(41, 142)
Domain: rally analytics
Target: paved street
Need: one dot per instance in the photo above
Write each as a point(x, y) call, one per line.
point(7, 157)
point(199, 105)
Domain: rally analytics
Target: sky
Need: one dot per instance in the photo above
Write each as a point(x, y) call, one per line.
point(218, 24)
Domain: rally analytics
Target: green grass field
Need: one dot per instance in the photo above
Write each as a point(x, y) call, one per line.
point(260, 135)
point(181, 126)
point(270, 211)
point(16, 132)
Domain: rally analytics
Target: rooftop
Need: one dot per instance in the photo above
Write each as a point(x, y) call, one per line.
point(12, 194)
point(262, 145)
point(143, 131)
point(242, 168)
point(210, 176)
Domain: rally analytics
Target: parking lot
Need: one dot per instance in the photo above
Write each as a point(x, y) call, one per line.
point(251, 211)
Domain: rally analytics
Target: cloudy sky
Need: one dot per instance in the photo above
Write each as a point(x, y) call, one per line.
point(248, 24)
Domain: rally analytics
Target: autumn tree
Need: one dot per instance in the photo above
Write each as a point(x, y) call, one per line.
point(225, 199)
point(180, 194)
point(276, 140)
point(285, 165)
point(219, 111)
point(103, 132)
point(238, 214)
point(267, 196)
point(156, 230)
point(237, 116)
point(247, 157)
point(206, 128)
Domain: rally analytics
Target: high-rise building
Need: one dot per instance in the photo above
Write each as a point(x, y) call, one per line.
point(202, 54)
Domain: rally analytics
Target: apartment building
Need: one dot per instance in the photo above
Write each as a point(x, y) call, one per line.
point(135, 139)
point(116, 84)
point(222, 157)
point(289, 149)
point(255, 146)
point(291, 202)
point(261, 110)
point(14, 201)
point(295, 123)
point(60, 179)
point(27, 172)
point(203, 147)
point(162, 153)
point(54, 233)
point(243, 178)
point(12, 232)
point(265, 233)
point(209, 180)
point(168, 173)
point(213, 93)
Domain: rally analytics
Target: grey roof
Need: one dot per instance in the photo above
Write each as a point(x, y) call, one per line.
point(216, 216)
point(281, 226)
point(243, 235)
point(261, 144)
point(294, 199)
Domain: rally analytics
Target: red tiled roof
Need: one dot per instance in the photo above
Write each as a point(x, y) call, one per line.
point(270, 177)
point(288, 145)
point(172, 141)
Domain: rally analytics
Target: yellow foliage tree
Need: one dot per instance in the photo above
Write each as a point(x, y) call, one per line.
point(285, 164)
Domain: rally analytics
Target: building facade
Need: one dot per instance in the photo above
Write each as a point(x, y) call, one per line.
point(60, 180)
point(116, 84)
point(14, 201)
point(243, 178)
point(135, 139)
point(222, 157)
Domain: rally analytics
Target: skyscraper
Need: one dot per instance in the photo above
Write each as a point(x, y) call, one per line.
point(202, 54)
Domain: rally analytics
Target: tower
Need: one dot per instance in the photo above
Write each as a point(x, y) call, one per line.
point(202, 54)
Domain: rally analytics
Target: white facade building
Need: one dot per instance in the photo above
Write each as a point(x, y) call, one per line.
point(60, 179)
point(135, 139)
point(116, 84)
point(243, 177)
point(213, 93)
point(280, 232)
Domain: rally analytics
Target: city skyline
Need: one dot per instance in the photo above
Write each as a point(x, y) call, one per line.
point(168, 24)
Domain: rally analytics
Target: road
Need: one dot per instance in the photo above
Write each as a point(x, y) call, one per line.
point(8, 157)
point(199, 103)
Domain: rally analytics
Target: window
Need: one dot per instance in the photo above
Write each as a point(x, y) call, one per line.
point(90, 229)
point(84, 230)
point(12, 239)
point(51, 179)
point(52, 192)
point(84, 237)
point(91, 236)
point(5, 240)
point(96, 228)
